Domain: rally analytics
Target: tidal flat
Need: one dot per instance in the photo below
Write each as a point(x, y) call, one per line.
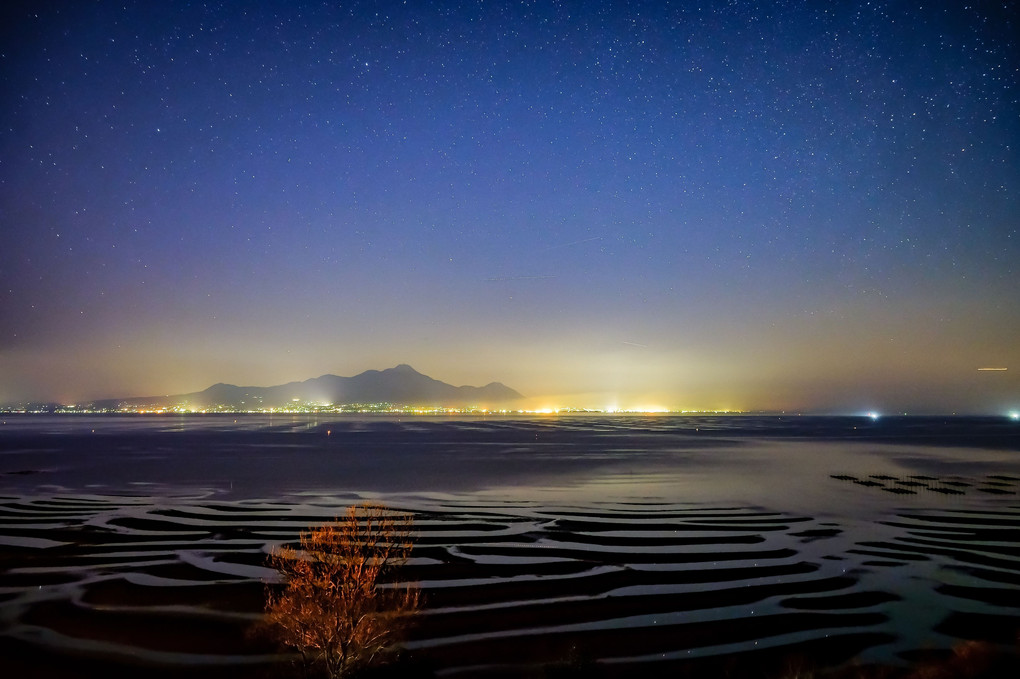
point(580, 546)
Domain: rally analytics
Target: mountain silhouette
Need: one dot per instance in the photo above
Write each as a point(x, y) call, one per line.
point(401, 385)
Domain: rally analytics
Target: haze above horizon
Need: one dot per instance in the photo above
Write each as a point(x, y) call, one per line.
point(797, 206)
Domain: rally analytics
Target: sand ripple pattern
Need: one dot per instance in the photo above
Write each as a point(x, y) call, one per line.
point(107, 581)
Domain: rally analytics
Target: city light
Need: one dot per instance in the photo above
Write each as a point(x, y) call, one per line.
point(297, 407)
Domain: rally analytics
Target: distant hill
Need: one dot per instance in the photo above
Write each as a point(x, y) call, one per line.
point(402, 385)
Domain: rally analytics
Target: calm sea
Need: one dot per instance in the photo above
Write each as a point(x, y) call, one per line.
point(638, 541)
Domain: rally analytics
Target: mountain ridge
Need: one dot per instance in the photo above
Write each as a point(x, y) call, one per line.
point(401, 385)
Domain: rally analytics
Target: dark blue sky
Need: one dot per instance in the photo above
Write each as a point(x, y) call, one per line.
point(805, 205)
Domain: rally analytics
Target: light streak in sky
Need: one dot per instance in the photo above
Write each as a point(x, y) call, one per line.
point(576, 242)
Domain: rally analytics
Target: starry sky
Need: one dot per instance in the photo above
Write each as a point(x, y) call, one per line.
point(782, 205)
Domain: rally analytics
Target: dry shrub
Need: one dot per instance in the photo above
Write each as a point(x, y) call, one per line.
point(969, 660)
point(331, 608)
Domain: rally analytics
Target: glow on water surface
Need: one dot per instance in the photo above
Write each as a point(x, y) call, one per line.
point(575, 530)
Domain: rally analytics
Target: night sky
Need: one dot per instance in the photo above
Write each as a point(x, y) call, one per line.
point(789, 205)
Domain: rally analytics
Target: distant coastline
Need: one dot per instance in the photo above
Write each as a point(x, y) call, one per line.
point(400, 389)
point(354, 409)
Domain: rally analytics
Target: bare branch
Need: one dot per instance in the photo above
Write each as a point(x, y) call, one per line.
point(331, 609)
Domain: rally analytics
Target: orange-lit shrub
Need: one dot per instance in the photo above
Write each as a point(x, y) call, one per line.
point(333, 608)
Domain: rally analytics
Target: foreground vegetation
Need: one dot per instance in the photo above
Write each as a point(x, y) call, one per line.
point(335, 609)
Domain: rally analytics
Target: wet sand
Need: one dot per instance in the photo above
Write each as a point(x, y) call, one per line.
point(602, 547)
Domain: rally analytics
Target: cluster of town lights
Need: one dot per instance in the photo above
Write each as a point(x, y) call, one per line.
point(354, 408)
point(308, 408)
